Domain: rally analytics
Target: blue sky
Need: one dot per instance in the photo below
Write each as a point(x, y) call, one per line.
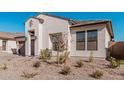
point(14, 21)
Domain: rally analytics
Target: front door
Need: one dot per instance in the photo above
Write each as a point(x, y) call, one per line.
point(22, 48)
point(32, 47)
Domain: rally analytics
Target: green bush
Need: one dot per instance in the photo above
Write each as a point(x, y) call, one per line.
point(45, 55)
point(114, 63)
point(63, 57)
point(97, 74)
point(91, 57)
point(79, 64)
point(65, 71)
point(3, 66)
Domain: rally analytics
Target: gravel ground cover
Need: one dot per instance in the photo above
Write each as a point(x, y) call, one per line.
point(18, 65)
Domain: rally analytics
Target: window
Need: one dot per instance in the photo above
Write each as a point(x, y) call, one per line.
point(4, 45)
point(54, 46)
point(92, 40)
point(80, 40)
point(57, 41)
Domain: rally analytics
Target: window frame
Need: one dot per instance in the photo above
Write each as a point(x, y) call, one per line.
point(78, 41)
point(4, 45)
point(54, 47)
point(93, 30)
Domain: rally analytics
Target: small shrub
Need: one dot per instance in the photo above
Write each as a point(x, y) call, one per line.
point(91, 57)
point(97, 74)
point(114, 63)
point(63, 57)
point(3, 66)
point(36, 64)
point(65, 71)
point(45, 55)
point(28, 75)
point(79, 64)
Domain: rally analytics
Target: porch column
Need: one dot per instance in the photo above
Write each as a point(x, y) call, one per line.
point(17, 42)
point(28, 45)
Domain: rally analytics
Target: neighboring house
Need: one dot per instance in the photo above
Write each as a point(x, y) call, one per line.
point(7, 42)
point(12, 43)
point(83, 36)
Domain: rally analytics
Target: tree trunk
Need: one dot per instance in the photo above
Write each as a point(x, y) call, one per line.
point(58, 56)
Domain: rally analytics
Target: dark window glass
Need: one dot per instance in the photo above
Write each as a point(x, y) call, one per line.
point(4, 45)
point(80, 40)
point(92, 40)
point(57, 41)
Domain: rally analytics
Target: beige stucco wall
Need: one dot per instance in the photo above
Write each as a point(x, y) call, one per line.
point(9, 45)
point(55, 25)
point(102, 42)
point(34, 27)
point(107, 38)
point(42, 31)
point(0, 45)
point(51, 25)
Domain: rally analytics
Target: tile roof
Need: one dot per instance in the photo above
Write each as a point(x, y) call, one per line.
point(86, 22)
point(55, 16)
point(75, 22)
point(8, 35)
point(92, 22)
point(19, 34)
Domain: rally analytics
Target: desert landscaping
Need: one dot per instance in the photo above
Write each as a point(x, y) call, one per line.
point(14, 67)
point(81, 50)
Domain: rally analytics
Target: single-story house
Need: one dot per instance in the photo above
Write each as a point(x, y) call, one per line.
point(7, 42)
point(82, 36)
point(11, 43)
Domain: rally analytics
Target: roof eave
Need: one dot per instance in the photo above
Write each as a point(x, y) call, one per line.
point(77, 25)
point(7, 38)
point(110, 26)
point(105, 22)
point(39, 19)
point(54, 16)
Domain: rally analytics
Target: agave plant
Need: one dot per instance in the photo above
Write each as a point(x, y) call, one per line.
point(63, 57)
point(28, 75)
point(3, 66)
point(97, 74)
point(45, 55)
point(65, 70)
point(114, 63)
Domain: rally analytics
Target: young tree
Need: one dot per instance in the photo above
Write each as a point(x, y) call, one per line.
point(60, 42)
